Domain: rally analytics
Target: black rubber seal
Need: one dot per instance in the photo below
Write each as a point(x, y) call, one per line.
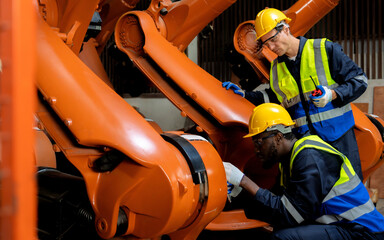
point(195, 163)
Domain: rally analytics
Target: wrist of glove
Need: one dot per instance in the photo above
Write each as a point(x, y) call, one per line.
point(236, 89)
point(233, 191)
point(324, 98)
point(233, 174)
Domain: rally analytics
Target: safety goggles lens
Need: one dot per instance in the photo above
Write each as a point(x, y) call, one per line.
point(259, 141)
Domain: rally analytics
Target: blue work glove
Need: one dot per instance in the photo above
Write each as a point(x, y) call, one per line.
point(236, 89)
point(324, 98)
point(233, 191)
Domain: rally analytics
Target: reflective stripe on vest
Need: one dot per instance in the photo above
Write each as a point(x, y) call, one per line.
point(313, 141)
point(349, 215)
point(337, 204)
point(296, 99)
point(291, 209)
point(314, 70)
point(322, 116)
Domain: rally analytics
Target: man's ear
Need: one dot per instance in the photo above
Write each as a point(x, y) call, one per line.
point(279, 138)
point(286, 30)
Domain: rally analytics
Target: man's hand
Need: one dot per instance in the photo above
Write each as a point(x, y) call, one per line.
point(233, 174)
point(233, 191)
point(324, 98)
point(236, 89)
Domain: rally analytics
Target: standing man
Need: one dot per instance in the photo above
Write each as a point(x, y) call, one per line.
point(322, 197)
point(314, 80)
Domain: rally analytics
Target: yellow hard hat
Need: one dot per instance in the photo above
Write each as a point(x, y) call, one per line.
point(267, 19)
point(268, 115)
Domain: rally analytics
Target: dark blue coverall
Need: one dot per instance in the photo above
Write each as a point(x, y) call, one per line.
point(314, 173)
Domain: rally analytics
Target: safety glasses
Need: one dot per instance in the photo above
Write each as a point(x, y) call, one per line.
point(259, 141)
point(273, 38)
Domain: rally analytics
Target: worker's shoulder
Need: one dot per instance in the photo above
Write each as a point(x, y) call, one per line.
point(331, 46)
point(316, 163)
point(309, 155)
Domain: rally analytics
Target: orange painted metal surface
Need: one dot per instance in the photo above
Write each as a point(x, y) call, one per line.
point(185, 19)
point(370, 142)
point(44, 153)
point(110, 11)
point(98, 117)
point(227, 109)
point(17, 105)
point(234, 220)
point(207, 92)
point(159, 197)
point(153, 185)
point(69, 18)
point(244, 41)
point(91, 58)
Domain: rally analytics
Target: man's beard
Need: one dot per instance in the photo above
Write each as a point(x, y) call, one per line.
point(271, 159)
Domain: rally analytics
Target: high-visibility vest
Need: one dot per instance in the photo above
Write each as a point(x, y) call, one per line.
point(330, 122)
point(347, 201)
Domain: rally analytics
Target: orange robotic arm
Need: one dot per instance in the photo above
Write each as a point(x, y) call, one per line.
point(154, 181)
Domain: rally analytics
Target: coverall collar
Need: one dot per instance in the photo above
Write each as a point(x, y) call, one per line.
point(284, 58)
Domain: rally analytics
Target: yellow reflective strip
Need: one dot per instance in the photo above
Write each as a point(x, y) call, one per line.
point(284, 85)
point(344, 174)
point(326, 63)
point(314, 63)
point(319, 63)
point(343, 178)
point(274, 81)
point(307, 67)
point(316, 142)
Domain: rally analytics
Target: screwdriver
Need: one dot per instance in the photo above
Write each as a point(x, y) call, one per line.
point(317, 92)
